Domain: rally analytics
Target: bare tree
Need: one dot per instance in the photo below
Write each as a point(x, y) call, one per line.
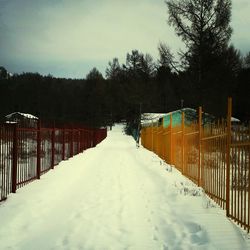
point(113, 69)
point(246, 61)
point(166, 57)
point(203, 26)
point(94, 74)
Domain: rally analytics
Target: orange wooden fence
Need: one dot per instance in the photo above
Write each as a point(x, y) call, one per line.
point(213, 155)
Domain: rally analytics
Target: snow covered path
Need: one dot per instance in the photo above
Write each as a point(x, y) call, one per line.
point(116, 197)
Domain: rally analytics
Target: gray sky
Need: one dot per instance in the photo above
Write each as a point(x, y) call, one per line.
point(67, 38)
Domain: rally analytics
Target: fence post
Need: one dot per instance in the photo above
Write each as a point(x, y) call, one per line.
point(162, 141)
point(84, 139)
point(78, 141)
point(14, 161)
point(199, 146)
point(38, 156)
point(152, 137)
point(91, 139)
point(88, 139)
point(81, 140)
point(94, 137)
point(171, 140)
point(183, 147)
point(72, 142)
point(157, 140)
point(63, 144)
point(229, 115)
point(53, 148)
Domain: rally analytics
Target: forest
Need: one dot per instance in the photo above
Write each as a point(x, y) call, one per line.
point(205, 74)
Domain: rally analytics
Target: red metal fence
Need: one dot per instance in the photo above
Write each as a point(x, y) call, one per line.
point(6, 159)
point(27, 153)
point(216, 156)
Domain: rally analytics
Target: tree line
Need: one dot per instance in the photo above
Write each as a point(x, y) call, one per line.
point(206, 73)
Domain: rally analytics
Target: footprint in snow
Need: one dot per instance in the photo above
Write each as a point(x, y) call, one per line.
point(65, 241)
point(164, 247)
point(155, 238)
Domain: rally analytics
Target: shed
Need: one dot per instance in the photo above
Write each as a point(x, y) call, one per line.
point(23, 119)
point(191, 115)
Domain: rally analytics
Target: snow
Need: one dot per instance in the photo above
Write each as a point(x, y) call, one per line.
point(233, 119)
point(153, 117)
point(22, 114)
point(115, 196)
point(10, 122)
point(148, 118)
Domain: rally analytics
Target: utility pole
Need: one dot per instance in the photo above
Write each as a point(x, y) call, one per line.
point(182, 102)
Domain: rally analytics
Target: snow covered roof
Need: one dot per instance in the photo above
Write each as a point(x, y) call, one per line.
point(233, 119)
point(151, 117)
point(154, 117)
point(190, 115)
point(29, 116)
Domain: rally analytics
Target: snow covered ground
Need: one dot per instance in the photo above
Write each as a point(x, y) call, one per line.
point(115, 196)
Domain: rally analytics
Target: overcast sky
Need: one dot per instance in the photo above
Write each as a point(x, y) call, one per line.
point(67, 38)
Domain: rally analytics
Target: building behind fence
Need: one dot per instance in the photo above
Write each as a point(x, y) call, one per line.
point(27, 152)
point(215, 155)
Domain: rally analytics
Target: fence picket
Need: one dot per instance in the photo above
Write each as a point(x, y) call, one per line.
point(14, 160)
point(38, 163)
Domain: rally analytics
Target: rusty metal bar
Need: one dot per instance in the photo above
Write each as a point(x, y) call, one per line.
point(176, 133)
point(38, 156)
point(53, 148)
point(229, 115)
point(14, 161)
point(192, 133)
point(63, 144)
point(72, 142)
point(199, 145)
point(248, 182)
point(182, 141)
point(240, 144)
point(214, 137)
point(171, 139)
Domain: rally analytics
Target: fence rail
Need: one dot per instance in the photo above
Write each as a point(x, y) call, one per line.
point(215, 156)
point(27, 153)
